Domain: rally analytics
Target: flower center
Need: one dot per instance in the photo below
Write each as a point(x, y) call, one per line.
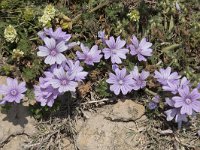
point(88, 58)
point(53, 52)
point(138, 49)
point(139, 82)
point(188, 101)
point(13, 92)
point(114, 51)
point(64, 82)
point(121, 82)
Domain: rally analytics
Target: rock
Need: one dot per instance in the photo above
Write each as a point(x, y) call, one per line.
point(66, 144)
point(126, 111)
point(16, 121)
point(99, 133)
point(16, 143)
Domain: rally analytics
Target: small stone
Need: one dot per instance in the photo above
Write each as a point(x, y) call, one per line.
point(126, 110)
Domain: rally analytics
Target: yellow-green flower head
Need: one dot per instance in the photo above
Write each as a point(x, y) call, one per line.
point(134, 15)
point(17, 53)
point(44, 19)
point(50, 11)
point(10, 34)
point(28, 14)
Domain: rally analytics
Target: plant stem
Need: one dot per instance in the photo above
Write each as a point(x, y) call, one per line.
point(150, 92)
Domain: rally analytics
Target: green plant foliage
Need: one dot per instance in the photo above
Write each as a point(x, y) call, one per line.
point(102, 89)
point(39, 112)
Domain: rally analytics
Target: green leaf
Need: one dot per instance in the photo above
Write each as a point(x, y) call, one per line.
point(171, 24)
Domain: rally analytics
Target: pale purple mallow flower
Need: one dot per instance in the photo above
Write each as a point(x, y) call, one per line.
point(154, 103)
point(46, 96)
point(139, 78)
point(165, 76)
point(174, 87)
point(52, 51)
point(101, 35)
point(63, 81)
point(13, 91)
point(115, 50)
point(174, 112)
point(198, 86)
point(90, 56)
point(121, 81)
point(187, 101)
point(58, 34)
point(73, 68)
point(115, 66)
point(41, 34)
point(142, 49)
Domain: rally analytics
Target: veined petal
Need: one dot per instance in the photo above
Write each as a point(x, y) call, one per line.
point(50, 43)
point(50, 60)
point(61, 47)
point(60, 58)
point(43, 51)
point(115, 88)
point(60, 73)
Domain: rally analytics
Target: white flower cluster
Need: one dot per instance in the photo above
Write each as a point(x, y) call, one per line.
point(49, 13)
point(10, 34)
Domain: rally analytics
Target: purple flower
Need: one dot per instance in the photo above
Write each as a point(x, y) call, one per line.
point(46, 95)
point(63, 81)
point(74, 69)
point(198, 86)
point(115, 50)
point(165, 76)
point(90, 56)
point(187, 101)
point(13, 91)
point(41, 34)
point(156, 99)
point(141, 49)
point(115, 66)
point(174, 112)
point(120, 81)
point(58, 34)
point(52, 51)
point(152, 105)
point(101, 35)
point(139, 78)
point(174, 87)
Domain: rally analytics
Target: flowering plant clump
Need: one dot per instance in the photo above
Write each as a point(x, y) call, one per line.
point(63, 58)
point(185, 102)
point(64, 74)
